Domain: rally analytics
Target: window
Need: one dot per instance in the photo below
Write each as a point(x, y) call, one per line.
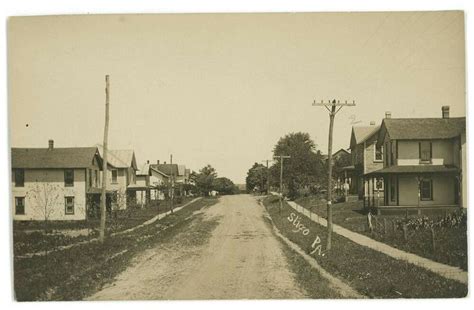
point(425, 150)
point(69, 205)
point(379, 184)
point(19, 177)
point(426, 189)
point(114, 175)
point(96, 177)
point(69, 177)
point(20, 205)
point(378, 156)
point(90, 177)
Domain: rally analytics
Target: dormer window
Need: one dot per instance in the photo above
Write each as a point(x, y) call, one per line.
point(425, 151)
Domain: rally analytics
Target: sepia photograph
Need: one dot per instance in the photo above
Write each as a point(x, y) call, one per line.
point(230, 156)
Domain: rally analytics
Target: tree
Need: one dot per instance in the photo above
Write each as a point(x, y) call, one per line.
point(305, 169)
point(225, 186)
point(256, 177)
point(205, 180)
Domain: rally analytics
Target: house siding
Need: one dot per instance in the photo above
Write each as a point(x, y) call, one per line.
point(41, 183)
point(120, 186)
point(443, 151)
point(443, 191)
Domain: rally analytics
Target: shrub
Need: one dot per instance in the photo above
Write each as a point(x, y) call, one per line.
point(456, 219)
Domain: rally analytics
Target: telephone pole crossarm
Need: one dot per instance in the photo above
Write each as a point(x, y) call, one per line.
point(335, 103)
point(331, 105)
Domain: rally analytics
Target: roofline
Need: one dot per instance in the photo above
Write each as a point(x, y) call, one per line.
point(160, 172)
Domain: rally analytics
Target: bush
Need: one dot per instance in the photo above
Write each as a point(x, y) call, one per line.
point(456, 219)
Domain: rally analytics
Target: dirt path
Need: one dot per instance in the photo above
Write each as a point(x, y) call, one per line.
point(241, 260)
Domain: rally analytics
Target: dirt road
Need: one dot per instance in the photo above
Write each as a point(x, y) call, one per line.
point(241, 259)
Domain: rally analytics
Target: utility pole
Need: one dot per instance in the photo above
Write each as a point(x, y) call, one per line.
point(171, 183)
point(268, 175)
point(103, 196)
point(281, 157)
point(331, 107)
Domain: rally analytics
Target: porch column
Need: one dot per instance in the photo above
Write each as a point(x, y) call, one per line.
point(370, 185)
point(366, 192)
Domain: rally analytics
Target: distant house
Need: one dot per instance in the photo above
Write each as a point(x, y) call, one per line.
point(341, 159)
point(366, 156)
point(55, 183)
point(121, 177)
point(142, 185)
point(169, 172)
point(424, 164)
point(149, 183)
point(187, 176)
point(341, 153)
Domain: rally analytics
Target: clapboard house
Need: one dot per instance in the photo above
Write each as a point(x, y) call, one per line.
point(54, 183)
point(424, 162)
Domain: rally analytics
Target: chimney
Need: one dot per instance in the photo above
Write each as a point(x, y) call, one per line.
point(388, 114)
point(158, 162)
point(372, 123)
point(445, 111)
point(50, 144)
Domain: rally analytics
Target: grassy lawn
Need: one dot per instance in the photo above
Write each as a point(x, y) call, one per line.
point(74, 273)
point(307, 277)
point(369, 272)
point(450, 242)
point(30, 236)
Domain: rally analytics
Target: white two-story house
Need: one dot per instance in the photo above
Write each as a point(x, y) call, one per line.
point(424, 163)
point(54, 183)
point(121, 178)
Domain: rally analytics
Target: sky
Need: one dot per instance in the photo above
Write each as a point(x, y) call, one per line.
point(221, 89)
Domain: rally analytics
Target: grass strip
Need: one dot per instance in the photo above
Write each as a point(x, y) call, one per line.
point(369, 272)
point(77, 272)
point(451, 242)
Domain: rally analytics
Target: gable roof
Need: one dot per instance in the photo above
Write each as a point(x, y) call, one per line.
point(144, 169)
point(121, 158)
point(423, 128)
point(343, 151)
point(44, 158)
point(362, 133)
point(159, 172)
point(167, 169)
